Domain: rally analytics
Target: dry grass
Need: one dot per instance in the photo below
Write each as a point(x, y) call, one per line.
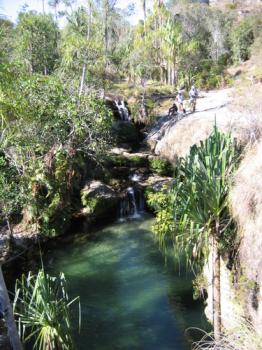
point(243, 337)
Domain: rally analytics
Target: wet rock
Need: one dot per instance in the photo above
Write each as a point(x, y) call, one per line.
point(126, 132)
point(99, 201)
point(118, 106)
point(120, 172)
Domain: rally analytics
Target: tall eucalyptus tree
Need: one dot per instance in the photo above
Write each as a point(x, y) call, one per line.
point(107, 9)
point(143, 2)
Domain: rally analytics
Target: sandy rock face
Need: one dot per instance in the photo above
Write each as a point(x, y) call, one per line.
point(171, 139)
point(246, 200)
point(241, 293)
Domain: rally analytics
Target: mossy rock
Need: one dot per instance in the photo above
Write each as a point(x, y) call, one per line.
point(98, 200)
point(131, 161)
point(161, 166)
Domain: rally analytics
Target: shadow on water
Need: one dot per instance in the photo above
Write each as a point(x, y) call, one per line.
point(129, 298)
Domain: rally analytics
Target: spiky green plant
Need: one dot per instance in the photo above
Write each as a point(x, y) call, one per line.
point(42, 307)
point(195, 212)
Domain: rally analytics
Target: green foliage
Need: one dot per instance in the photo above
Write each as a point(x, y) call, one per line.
point(89, 204)
point(37, 36)
point(129, 161)
point(244, 286)
point(196, 206)
point(209, 77)
point(51, 118)
point(231, 6)
point(241, 38)
point(161, 166)
point(10, 196)
point(47, 133)
point(6, 40)
point(200, 286)
point(42, 307)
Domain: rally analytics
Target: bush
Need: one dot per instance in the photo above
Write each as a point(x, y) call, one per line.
point(161, 167)
point(241, 39)
point(119, 161)
point(42, 306)
point(211, 75)
point(231, 6)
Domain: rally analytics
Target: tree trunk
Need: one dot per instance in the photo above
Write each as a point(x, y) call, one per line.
point(174, 77)
point(144, 10)
point(9, 317)
point(56, 17)
point(106, 12)
point(89, 20)
point(81, 86)
point(10, 229)
point(216, 289)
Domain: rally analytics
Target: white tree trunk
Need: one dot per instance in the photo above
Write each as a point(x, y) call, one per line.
point(216, 290)
point(81, 86)
point(9, 317)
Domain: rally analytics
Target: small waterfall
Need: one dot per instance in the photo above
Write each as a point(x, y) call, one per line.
point(123, 110)
point(135, 177)
point(132, 204)
point(131, 193)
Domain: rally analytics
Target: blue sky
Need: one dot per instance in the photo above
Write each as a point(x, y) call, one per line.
point(11, 7)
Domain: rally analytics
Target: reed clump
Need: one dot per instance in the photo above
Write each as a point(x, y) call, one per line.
point(243, 337)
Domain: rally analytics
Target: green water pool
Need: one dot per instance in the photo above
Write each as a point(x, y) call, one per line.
point(130, 298)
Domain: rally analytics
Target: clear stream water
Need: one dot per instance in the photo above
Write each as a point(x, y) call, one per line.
point(130, 298)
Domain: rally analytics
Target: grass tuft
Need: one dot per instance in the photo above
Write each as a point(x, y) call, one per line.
point(243, 337)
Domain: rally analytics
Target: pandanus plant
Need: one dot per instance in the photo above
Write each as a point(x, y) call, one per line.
point(195, 213)
point(42, 307)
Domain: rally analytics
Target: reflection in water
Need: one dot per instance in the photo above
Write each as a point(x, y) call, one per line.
point(129, 298)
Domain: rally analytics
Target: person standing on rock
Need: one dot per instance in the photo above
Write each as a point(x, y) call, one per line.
point(180, 100)
point(193, 95)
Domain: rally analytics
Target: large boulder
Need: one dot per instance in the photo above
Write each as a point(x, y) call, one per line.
point(99, 201)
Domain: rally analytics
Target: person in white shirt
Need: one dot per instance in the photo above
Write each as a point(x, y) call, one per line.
point(180, 100)
point(193, 95)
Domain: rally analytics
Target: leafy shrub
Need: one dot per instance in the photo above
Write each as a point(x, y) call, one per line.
point(241, 39)
point(211, 75)
point(51, 134)
point(231, 6)
point(131, 161)
point(161, 167)
point(200, 286)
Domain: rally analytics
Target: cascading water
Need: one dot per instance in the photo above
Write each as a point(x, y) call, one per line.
point(135, 177)
point(132, 204)
point(123, 110)
point(131, 194)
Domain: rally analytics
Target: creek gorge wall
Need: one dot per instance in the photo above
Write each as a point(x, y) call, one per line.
point(241, 284)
